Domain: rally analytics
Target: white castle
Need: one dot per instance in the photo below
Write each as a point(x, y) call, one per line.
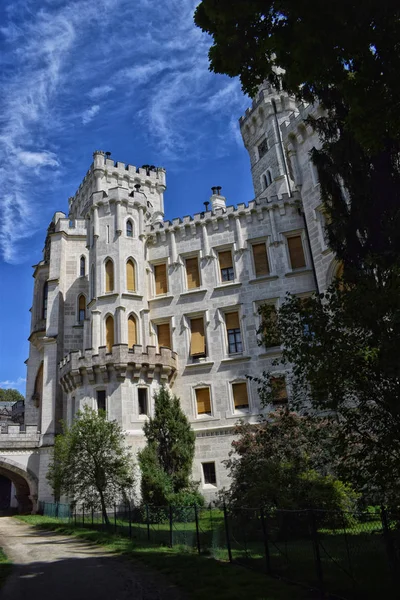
point(125, 301)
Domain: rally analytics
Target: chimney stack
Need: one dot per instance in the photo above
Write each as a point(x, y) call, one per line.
point(217, 201)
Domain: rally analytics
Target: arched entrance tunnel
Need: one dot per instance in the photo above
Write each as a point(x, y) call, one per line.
point(23, 490)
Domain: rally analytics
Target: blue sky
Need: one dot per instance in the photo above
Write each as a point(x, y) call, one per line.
point(129, 77)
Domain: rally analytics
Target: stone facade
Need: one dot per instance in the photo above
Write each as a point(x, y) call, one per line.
point(125, 301)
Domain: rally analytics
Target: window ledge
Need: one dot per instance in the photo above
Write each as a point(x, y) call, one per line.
point(207, 363)
point(195, 291)
point(240, 414)
point(326, 250)
point(78, 325)
point(107, 295)
point(304, 271)
point(161, 297)
point(206, 418)
point(210, 486)
point(236, 358)
point(264, 278)
point(132, 295)
point(228, 284)
point(139, 418)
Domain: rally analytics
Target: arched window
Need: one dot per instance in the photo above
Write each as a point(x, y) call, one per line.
point(132, 333)
point(82, 267)
point(109, 333)
point(109, 276)
point(45, 297)
point(129, 228)
point(130, 276)
point(38, 390)
point(81, 308)
point(93, 282)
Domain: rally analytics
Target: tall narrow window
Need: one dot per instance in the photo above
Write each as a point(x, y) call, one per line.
point(93, 282)
point(261, 265)
point(164, 335)
point(226, 266)
point(101, 400)
point(160, 277)
point(132, 333)
point(197, 341)
point(280, 395)
point(130, 276)
point(233, 332)
point(263, 148)
point(81, 308)
point(38, 390)
point(107, 234)
point(267, 179)
point(143, 405)
point(109, 276)
point(209, 475)
point(296, 252)
point(192, 273)
point(129, 228)
point(109, 333)
point(240, 397)
point(45, 299)
point(203, 401)
point(82, 266)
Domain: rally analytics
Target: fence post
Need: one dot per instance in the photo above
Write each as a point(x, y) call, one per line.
point(148, 522)
point(130, 520)
point(115, 518)
point(228, 541)
point(317, 554)
point(196, 516)
point(265, 538)
point(171, 535)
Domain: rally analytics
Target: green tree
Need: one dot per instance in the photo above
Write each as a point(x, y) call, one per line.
point(91, 463)
point(166, 461)
point(10, 395)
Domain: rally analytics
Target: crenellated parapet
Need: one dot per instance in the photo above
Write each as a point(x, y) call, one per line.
point(88, 368)
point(19, 436)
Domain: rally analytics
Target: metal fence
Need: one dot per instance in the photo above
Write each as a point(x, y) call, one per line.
point(353, 556)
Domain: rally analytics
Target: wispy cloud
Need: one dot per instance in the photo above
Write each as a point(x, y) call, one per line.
point(38, 159)
point(100, 91)
point(90, 113)
point(13, 384)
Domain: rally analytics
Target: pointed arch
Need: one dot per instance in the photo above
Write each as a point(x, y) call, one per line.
point(81, 308)
point(82, 266)
point(130, 275)
point(109, 271)
point(132, 331)
point(109, 332)
point(129, 228)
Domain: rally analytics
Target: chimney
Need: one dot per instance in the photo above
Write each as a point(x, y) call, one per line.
point(217, 201)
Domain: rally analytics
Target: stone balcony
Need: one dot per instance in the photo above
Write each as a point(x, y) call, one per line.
point(16, 436)
point(88, 367)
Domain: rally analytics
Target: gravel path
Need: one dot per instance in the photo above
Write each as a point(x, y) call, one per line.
point(49, 566)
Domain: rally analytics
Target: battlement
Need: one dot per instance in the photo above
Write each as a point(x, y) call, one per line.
point(264, 98)
point(19, 436)
point(122, 361)
point(296, 126)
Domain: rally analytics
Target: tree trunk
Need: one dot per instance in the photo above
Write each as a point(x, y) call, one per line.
point(103, 509)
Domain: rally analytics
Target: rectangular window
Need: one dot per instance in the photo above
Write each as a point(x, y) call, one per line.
point(226, 266)
point(197, 338)
point(164, 335)
point(142, 401)
point(279, 389)
point(192, 273)
point(160, 277)
point(209, 473)
point(263, 148)
point(101, 400)
point(240, 397)
point(203, 401)
point(234, 334)
point(261, 265)
point(273, 316)
point(296, 252)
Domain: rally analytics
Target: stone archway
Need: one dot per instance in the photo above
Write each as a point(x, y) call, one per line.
point(25, 482)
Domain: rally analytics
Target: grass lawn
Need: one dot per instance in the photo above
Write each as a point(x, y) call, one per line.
point(202, 577)
point(5, 567)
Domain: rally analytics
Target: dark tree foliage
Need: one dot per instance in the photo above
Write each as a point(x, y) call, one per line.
point(166, 461)
point(10, 395)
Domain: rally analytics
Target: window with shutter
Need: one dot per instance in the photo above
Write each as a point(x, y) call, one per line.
point(226, 266)
point(109, 333)
point(296, 252)
point(240, 397)
point(130, 276)
point(233, 332)
point(81, 308)
point(261, 265)
point(197, 341)
point(279, 390)
point(160, 277)
point(203, 401)
point(109, 276)
point(164, 335)
point(132, 335)
point(192, 273)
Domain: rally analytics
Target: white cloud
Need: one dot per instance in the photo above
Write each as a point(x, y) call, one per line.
point(17, 383)
point(100, 91)
point(38, 159)
point(90, 113)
